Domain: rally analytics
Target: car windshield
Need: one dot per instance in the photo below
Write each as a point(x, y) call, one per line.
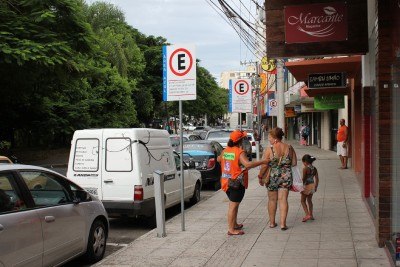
point(201, 147)
point(219, 135)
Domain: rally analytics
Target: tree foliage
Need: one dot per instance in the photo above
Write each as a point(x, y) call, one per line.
point(66, 65)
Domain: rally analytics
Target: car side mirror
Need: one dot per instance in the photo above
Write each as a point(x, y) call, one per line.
point(192, 164)
point(81, 196)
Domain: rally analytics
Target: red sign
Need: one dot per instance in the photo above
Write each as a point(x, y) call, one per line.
point(325, 22)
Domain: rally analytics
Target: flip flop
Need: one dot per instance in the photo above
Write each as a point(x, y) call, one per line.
point(239, 226)
point(273, 225)
point(238, 233)
point(284, 228)
point(306, 218)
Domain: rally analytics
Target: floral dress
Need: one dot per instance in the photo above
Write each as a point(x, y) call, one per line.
point(280, 176)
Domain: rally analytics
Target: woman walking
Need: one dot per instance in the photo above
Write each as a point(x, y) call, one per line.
point(234, 179)
point(279, 176)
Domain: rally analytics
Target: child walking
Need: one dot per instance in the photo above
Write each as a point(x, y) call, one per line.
point(310, 181)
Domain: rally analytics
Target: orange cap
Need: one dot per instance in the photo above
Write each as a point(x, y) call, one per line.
point(236, 135)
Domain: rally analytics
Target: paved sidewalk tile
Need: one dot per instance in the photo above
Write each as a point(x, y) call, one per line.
point(342, 233)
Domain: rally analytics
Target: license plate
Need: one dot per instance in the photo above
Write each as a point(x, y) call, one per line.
point(92, 190)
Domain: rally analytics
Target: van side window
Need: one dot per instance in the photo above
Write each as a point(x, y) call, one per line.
point(118, 155)
point(86, 157)
point(9, 199)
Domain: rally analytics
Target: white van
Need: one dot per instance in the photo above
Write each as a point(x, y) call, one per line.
point(117, 166)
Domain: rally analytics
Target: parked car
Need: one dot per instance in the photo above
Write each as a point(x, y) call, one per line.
point(175, 140)
point(189, 127)
point(117, 165)
point(221, 136)
point(4, 159)
point(252, 140)
point(192, 137)
point(204, 153)
point(51, 225)
point(201, 133)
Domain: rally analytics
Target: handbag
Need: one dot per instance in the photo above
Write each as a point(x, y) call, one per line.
point(297, 185)
point(236, 183)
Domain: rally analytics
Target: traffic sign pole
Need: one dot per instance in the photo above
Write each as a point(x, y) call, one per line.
point(182, 173)
point(179, 83)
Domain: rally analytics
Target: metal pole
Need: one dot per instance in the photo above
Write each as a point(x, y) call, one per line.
point(240, 120)
point(160, 205)
point(257, 83)
point(182, 172)
point(280, 95)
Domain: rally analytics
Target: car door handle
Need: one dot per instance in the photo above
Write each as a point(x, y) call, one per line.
point(1, 227)
point(108, 181)
point(49, 219)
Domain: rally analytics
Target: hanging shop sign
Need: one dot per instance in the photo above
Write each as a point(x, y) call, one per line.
point(327, 80)
point(298, 29)
point(268, 64)
point(323, 22)
point(289, 112)
point(325, 102)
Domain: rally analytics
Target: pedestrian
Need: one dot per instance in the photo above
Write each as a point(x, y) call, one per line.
point(310, 182)
point(279, 176)
point(342, 138)
point(234, 178)
point(305, 132)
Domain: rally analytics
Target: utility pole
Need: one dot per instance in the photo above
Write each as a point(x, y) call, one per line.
point(256, 82)
point(280, 95)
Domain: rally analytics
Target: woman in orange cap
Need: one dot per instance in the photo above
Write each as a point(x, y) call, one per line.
point(235, 165)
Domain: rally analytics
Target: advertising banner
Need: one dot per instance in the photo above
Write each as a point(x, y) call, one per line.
point(323, 22)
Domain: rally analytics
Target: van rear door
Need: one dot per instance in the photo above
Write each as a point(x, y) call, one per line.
point(84, 166)
point(118, 177)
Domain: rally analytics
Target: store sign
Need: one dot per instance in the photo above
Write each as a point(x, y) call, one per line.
point(325, 102)
point(324, 22)
point(327, 80)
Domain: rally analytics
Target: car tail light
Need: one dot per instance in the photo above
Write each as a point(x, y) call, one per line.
point(138, 196)
point(211, 163)
point(253, 143)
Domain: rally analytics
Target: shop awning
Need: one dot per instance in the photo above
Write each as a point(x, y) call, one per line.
point(301, 69)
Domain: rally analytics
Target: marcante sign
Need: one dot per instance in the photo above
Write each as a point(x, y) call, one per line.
point(324, 22)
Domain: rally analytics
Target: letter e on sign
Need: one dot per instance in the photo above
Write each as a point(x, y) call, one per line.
point(180, 62)
point(242, 87)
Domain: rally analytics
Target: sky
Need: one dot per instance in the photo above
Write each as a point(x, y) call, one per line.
point(218, 47)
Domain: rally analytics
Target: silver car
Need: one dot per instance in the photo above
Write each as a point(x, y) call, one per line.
point(46, 220)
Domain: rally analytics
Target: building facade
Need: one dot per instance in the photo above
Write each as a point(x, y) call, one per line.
point(366, 47)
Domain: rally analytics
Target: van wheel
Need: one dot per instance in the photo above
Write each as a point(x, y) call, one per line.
point(96, 243)
point(196, 194)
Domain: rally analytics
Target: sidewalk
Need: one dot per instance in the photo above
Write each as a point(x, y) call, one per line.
point(341, 235)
